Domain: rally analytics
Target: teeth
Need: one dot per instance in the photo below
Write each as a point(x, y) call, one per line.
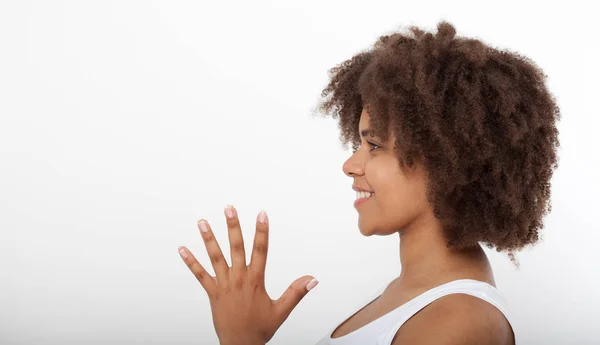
point(360, 195)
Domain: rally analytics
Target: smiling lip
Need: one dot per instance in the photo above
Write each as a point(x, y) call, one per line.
point(358, 189)
point(361, 201)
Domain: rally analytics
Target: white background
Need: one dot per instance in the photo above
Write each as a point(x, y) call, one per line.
point(124, 122)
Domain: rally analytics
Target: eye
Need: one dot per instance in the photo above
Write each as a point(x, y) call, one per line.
point(373, 146)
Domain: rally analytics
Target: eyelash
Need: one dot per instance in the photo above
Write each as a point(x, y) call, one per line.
point(355, 148)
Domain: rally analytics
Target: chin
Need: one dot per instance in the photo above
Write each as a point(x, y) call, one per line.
point(368, 231)
point(365, 232)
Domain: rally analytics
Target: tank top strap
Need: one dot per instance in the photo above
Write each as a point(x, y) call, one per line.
point(471, 287)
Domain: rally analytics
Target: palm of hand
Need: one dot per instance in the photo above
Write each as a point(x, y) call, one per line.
point(242, 311)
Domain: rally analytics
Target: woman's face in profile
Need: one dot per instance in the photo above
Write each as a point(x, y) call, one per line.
point(399, 195)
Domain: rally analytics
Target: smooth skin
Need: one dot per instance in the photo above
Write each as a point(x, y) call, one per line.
point(243, 313)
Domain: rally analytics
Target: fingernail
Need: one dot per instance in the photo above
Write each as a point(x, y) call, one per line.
point(311, 284)
point(202, 225)
point(183, 253)
point(229, 211)
point(262, 217)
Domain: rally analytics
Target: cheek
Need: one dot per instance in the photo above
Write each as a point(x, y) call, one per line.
point(395, 201)
point(389, 182)
point(398, 194)
point(398, 198)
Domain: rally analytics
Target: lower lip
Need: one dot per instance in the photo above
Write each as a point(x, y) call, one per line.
point(361, 201)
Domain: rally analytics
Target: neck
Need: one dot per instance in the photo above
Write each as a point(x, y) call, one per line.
point(425, 258)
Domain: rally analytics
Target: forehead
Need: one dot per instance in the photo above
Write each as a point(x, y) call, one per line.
point(364, 120)
point(364, 125)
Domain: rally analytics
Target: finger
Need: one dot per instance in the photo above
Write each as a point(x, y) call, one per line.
point(293, 295)
point(236, 241)
point(214, 252)
point(206, 280)
point(258, 261)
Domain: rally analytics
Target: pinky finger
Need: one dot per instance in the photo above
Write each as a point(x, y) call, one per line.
point(206, 280)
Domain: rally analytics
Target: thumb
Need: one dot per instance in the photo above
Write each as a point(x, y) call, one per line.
point(293, 295)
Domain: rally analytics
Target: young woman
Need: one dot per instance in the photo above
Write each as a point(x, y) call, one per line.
point(454, 146)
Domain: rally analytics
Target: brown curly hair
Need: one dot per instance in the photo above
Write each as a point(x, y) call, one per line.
point(481, 122)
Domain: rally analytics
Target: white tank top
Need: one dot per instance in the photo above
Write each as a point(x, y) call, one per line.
point(382, 330)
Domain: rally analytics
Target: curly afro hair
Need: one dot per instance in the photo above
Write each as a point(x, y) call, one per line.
point(481, 122)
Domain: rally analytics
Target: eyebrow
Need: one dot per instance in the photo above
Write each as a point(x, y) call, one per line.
point(368, 131)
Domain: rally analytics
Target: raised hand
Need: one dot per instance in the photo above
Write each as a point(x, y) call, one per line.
point(242, 311)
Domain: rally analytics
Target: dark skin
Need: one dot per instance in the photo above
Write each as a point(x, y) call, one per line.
point(244, 314)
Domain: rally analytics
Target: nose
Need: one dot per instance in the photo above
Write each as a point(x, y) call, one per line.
point(353, 166)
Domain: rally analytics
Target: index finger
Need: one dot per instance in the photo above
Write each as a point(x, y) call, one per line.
point(258, 260)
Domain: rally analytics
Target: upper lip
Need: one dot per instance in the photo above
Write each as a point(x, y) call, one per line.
point(358, 189)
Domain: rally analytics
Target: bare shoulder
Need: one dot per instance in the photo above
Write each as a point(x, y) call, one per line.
point(456, 319)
